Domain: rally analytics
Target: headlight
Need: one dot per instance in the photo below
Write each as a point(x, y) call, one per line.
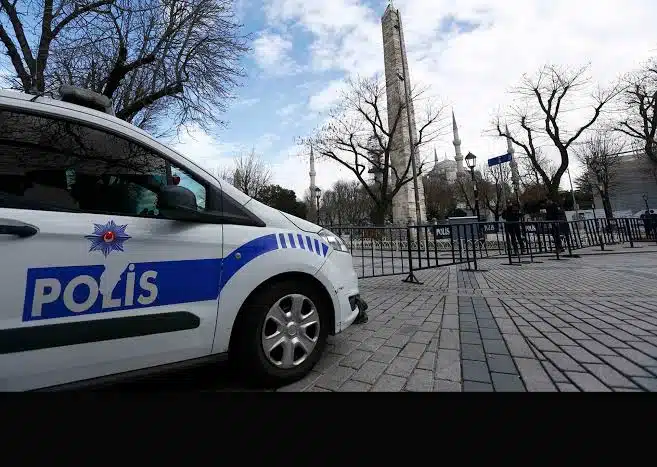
point(334, 240)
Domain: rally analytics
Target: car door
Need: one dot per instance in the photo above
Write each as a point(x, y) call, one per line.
point(94, 281)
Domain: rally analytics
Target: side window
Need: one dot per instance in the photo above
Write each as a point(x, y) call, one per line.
point(183, 179)
point(57, 165)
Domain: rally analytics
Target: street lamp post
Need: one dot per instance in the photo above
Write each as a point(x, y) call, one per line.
point(572, 192)
point(318, 194)
point(471, 162)
point(645, 201)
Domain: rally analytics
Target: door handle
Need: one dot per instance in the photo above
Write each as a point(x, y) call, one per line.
point(19, 230)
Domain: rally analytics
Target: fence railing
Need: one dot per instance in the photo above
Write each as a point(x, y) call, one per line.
point(394, 250)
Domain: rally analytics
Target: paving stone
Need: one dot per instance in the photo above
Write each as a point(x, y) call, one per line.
point(448, 365)
point(560, 338)
point(402, 366)
point(384, 333)
point(497, 347)
point(563, 361)
point(355, 386)
point(303, 384)
point(316, 389)
point(649, 384)
point(327, 362)
point(574, 333)
point(470, 338)
point(556, 375)
point(422, 337)
point(473, 352)
point(427, 361)
point(533, 375)
point(475, 386)
point(475, 371)
point(507, 383)
point(501, 364)
point(356, 359)
point(371, 344)
point(420, 381)
point(335, 378)
point(449, 339)
point(625, 366)
point(408, 330)
point(610, 341)
point(398, 340)
point(518, 347)
point(344, 347)
point(507, 326)
point(529, 331)
point(567, 387)
point(442, 385)
point(450, 322)
point(645, 347)
point(487, 323)
point(596, 347)
point(490, 333)
point(385, 354)
point(389, 383)
point(543, 344)
point(413, 350)
point(431, 327)
point(609, 376)
point(587, 382)
point(580, 354)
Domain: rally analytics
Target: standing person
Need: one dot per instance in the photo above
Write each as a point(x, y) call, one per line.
point(652, 222)
point(512, 216)
point(553, 215)
point(646, 223)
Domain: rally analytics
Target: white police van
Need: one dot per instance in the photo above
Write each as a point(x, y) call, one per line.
point(119, 255)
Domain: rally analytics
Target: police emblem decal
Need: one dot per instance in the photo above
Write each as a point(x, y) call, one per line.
point(107, 238)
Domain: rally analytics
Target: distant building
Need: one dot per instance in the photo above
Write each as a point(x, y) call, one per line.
point(446, 169)
point(635, 177)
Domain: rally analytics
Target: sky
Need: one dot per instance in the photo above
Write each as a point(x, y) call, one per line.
point(468, 52)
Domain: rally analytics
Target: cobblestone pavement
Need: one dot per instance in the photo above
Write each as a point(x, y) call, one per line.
point(587, 324)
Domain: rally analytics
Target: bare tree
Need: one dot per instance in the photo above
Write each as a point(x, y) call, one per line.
point(640, 109)
point(173, 61)
point(250, 175)
point(548, 97)
point(600, 154)
point(440, 196)
point(362, 135)
point(495, 188)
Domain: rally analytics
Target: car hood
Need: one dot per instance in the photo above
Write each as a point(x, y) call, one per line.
point(275, 218)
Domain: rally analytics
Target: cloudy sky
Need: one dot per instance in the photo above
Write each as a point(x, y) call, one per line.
point(470, 52)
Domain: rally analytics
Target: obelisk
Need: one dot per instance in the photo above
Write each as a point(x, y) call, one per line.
point(396, 68)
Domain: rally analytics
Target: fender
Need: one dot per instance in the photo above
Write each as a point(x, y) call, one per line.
point(260, 269)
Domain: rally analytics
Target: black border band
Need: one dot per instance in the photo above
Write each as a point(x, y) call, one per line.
point(83, 332)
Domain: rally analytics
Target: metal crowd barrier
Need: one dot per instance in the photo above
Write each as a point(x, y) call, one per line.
point(395, 250)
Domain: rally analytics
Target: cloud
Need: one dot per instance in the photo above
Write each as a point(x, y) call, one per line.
point(472, 51)
point(272, 52)
point(247, 102)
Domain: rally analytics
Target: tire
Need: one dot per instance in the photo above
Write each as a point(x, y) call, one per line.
point(263, 325)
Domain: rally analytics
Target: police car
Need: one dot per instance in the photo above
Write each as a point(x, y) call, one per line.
point(119, 255)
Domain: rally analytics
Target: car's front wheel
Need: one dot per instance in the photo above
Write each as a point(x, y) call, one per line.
point(283, 333)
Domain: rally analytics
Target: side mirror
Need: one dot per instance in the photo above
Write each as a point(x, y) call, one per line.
point(177, 202)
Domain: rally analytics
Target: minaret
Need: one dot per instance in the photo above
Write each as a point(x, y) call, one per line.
point(515, 176)
point(396, 66)
point(435, 157)
point(312, 172)
point(457, 146)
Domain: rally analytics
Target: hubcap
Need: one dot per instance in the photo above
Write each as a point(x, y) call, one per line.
point(291, 331)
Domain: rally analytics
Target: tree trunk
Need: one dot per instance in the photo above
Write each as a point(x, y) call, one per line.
point(380, 214)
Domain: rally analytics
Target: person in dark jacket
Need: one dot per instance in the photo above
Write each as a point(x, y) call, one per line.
point(513, 217)
point(554, 216)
